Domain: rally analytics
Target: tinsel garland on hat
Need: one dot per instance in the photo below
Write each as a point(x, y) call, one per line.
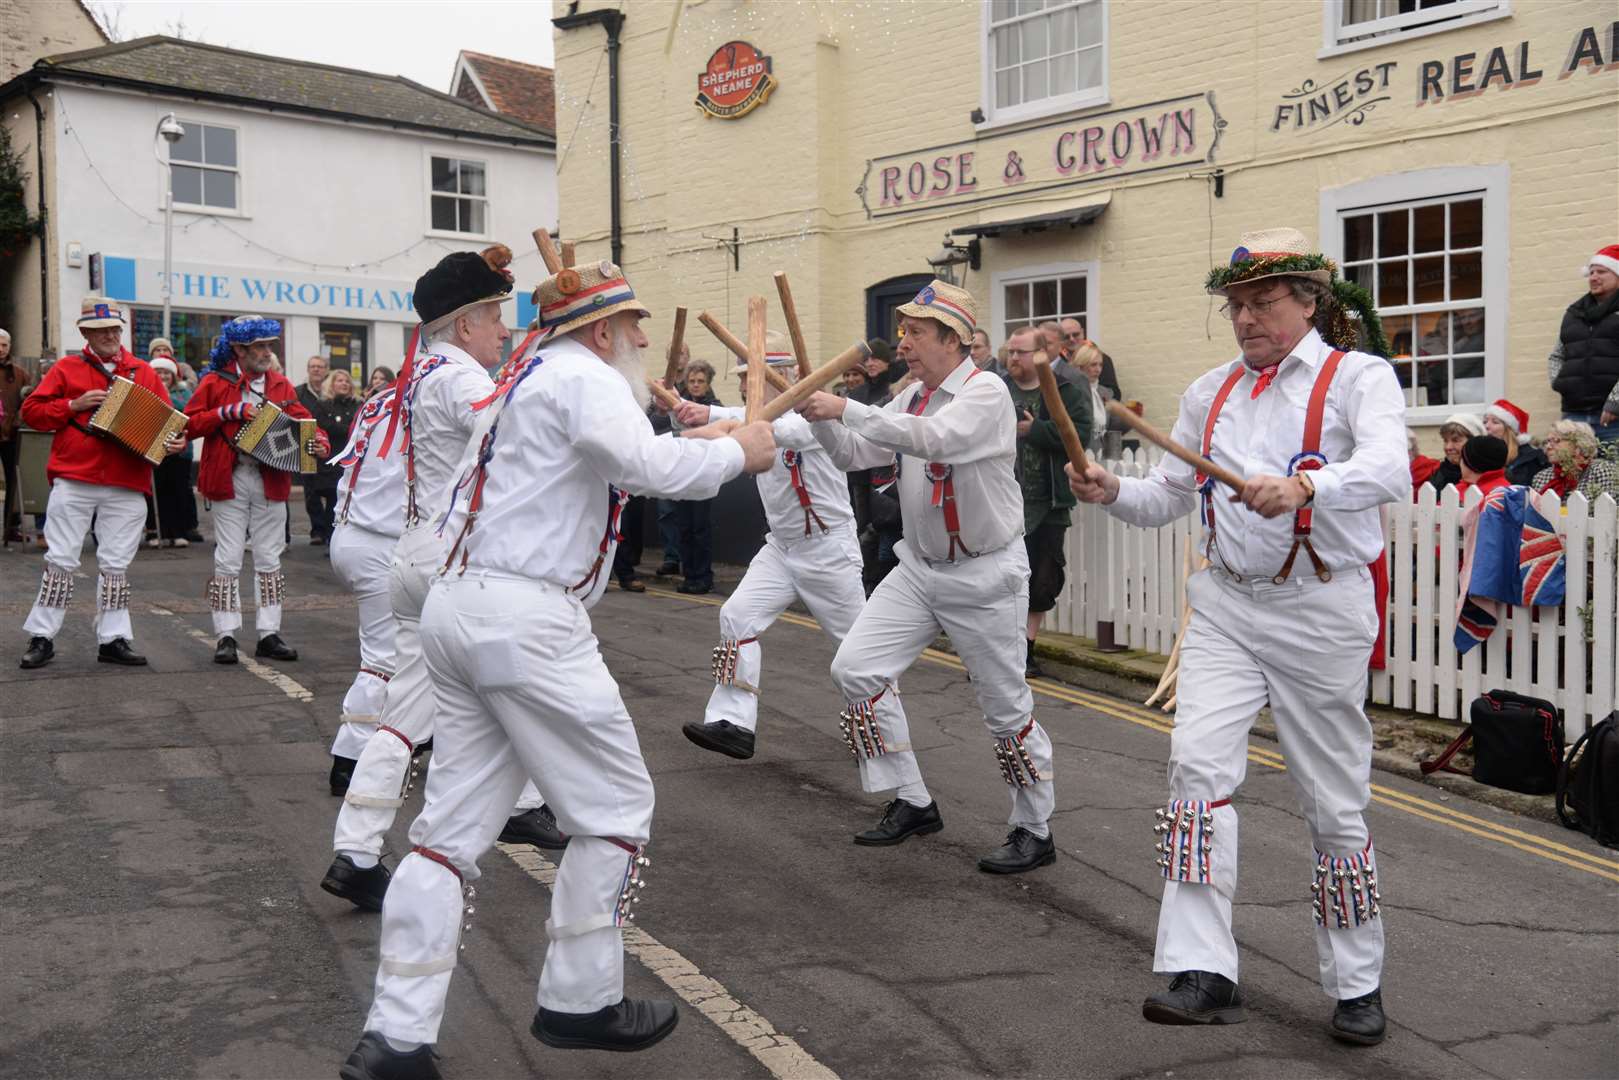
point(1335, 317)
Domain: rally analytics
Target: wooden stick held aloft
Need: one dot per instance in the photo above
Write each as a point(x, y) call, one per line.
point(739, 350)
point(667, 397)
point(790, 312)
point(1153, 435)
point(548, 251)
point(794, 395)
point(1059, 414)
point(567, 253)
point(676, 340)
point(756, 357)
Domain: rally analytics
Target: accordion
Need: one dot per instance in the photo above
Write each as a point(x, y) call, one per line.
point(275, 439)
point(138, 419)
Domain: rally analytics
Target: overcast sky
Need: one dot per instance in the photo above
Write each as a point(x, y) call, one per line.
point(418, 39)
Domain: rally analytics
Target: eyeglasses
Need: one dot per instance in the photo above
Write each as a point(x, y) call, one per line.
point(1260, 308)
point(1075, 336)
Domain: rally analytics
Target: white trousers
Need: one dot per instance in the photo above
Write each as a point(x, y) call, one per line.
point(362, 560)
point(233, 518)
point(1301, 647)
point(823, 571)
point(522, 692)
point(383, 773)
point(119, 515)
point(982, 603)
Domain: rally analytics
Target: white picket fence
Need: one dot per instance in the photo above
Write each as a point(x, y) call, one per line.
point(1569, 655)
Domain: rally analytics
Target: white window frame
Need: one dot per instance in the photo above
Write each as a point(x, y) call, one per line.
point(1490, 181)
point(240, 209)
point(1045, 107)
point(428, 154)
point(1337, 39)
point(1090, 271)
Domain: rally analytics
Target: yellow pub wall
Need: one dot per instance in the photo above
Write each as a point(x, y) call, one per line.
point(864, 80)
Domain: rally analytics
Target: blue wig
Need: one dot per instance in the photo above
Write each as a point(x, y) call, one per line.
point(242, 330)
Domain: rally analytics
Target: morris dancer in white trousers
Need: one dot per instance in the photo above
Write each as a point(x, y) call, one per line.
point(810, 554)
point(1319, 433)
point(425, 432)
point(369, 498)
point(522, 689)
point(962, 570)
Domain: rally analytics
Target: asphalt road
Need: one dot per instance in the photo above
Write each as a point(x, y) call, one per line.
point(166, 829)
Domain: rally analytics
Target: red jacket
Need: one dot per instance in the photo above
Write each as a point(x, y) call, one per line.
point(224, 387)
point(1487, 482)
point(75, 453)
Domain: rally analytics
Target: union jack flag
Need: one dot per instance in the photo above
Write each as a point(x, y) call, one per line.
point(1511, 555)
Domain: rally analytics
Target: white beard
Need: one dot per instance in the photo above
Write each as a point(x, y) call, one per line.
point(627, 362)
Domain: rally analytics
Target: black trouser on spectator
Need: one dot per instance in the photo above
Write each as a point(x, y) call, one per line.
point(8, 461)
point(176, 505)
point(320, 500)
point(696, 542)
point(632, 529)
point(1047, 564)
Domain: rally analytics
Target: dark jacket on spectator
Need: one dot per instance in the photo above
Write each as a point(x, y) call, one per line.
point(336, 417)
point(1530, 460)
point(1043, 434)
point(1590, 341)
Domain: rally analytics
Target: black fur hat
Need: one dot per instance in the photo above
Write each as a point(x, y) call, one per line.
point(461, 279)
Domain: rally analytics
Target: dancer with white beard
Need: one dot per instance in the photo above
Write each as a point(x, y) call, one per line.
point(521, 686)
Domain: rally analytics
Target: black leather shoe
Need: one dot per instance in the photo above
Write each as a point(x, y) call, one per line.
point(362, 888)
point(668, 569)
point(722, 737)
point(1022, 851)
point(273, 648)
point(537, 827)
point(342, 773)
point(900, 820)
point(225, 651)
point(1031, 666)
point(1196, 997)
point(118, 651)
point(632, 584)
point(40, 651)
point(691, 589)
point(374, 1059)
point(632, 1024)
point(1360, 1020)
point(196, 537)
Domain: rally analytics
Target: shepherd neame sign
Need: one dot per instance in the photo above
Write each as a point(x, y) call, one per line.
point(1163, 135)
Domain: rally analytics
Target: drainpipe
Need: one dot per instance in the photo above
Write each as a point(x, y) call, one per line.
point(44, 221)
point(612, 21)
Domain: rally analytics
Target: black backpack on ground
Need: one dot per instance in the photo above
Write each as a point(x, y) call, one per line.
point(1518, 743)
point(1588, 783)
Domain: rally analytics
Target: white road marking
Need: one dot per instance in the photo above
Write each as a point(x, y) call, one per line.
point(778, 1053)
point(284, 683)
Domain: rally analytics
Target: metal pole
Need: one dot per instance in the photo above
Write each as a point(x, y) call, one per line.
point(168, 249)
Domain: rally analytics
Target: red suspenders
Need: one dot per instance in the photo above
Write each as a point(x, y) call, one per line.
point(944, 487)
point(795, 472)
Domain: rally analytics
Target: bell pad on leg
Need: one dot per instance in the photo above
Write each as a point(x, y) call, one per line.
point(439, 964)
point(726, 654)
point(1185, 839)
point(1344, 893)
point(1017, 767)
point(388, 754)
point(55, 588)
point(112, 593)
point(860, 728)
point(629, 894)
point(224, 593)
point(272, 588)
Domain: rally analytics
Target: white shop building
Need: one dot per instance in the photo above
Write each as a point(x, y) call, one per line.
point(315, 195)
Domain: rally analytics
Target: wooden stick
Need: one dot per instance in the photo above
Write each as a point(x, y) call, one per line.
point(567, 253)
point(1059, 414)
point(756, 357)
point(666, 396)
point(739, 350)
point(548, 251)
point(1153, 435)
point(791, 398)
point(676, 339)
point(790, 313)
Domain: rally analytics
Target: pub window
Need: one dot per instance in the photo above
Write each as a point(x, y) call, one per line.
point(1423, 263)
point(1043, 56)
point(460, 196)
point(1033, 300)
point(204, 167)
point(1359, 23)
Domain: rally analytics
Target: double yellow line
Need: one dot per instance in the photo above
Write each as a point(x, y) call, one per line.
point(1414, 805)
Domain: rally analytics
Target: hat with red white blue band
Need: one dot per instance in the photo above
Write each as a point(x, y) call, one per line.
point(776, 353)
point(96, 312)
point(577, 296)
point(949, 304)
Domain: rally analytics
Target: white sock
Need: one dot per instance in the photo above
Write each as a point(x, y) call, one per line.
point(916, 794)
point(364, 860)
point(1041, 830)
point(400, 1045)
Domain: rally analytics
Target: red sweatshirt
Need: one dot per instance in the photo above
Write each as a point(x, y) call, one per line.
point(75, 453)
point(216, 390)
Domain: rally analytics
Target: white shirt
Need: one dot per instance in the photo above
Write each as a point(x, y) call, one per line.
point(827, 485)
point(371, 494)
point(1362, 436)
point(564, 433)
point(441, 421)
point(967, 423)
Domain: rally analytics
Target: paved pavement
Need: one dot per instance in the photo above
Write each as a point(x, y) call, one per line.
point(167, 827)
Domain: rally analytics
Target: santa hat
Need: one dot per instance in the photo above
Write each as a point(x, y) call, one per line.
point(1607, 258)
point(1510, 415)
